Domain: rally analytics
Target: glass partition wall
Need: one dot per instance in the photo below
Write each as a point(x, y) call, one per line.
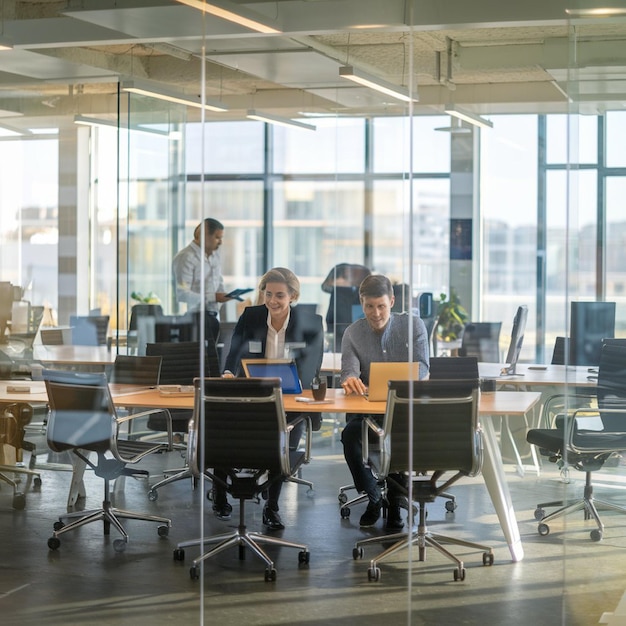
point(529, 212)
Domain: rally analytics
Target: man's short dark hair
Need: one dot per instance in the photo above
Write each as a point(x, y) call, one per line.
point(210, 224)
point(375, 286)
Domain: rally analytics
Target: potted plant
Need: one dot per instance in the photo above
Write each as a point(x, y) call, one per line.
point(451, 317)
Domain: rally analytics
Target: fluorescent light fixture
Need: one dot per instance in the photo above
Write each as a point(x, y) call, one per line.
point(600, 11)
point(467, 116)
point(171, 96)
point(233, 13)
point(373, 82)
point(81, 120)
point(276, 119)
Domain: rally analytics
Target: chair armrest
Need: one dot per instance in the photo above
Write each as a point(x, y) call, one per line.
point(168, 420)
point(590, 413)
point(560, 403)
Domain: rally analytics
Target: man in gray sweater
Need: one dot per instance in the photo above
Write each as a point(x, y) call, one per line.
point(380, 336)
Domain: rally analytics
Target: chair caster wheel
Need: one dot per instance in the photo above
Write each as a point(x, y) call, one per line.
point(596, 535)
point(37, 482)
point(357, 553)
point(54, 543)
point(179, 554)
point(194, 572)
point(539, 514)
point(373, 574)
point(303, 557)
point(310, 493)
point(119, 545)
point(487, 558)
point(270, 575)
point(459, 574)
point(153, 495)
point(163, 531)
point(345, 512)
point(58, 525)
point(450, 506)
point(342, 497)
point(543, 529)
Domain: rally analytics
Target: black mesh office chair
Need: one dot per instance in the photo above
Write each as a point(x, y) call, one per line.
point(445, 447)
point(180, 365)
point(591, 431)
point(241, 423)
point(83, 419)
point(143, 371)
point(138, 314)
point(482, 340)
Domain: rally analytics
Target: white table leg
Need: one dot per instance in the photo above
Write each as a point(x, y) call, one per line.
point(495, 481)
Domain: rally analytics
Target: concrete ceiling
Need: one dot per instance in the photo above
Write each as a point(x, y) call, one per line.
point(489, 56)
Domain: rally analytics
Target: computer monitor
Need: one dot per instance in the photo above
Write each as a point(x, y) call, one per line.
point(590, 323)
point(517, 339)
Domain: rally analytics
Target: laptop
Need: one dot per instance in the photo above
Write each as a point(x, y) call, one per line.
point(381, 372)
point(284, 369)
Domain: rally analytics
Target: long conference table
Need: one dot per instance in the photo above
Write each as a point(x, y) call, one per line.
point(492, 407)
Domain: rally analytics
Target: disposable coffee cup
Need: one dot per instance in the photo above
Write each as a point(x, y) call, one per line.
point(318, 390)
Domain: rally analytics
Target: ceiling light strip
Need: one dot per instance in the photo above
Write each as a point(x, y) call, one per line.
point(160, 94)
point(233, 13)
point(276, 119)
point(467, 116)
point(373, 82)
point(81, 120)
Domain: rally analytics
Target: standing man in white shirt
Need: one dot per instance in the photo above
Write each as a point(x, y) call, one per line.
point(187, 267)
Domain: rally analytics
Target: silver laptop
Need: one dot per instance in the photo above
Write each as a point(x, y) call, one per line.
point(382, 372)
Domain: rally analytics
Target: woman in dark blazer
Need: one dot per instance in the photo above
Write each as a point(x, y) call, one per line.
point(275, 330)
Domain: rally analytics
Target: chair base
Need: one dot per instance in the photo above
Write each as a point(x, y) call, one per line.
point(19, 497)
point(588, 504)
point(110, 516)
point(421, 537)
point(244, 539)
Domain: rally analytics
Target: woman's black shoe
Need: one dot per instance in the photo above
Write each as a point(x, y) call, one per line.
point(272, 520)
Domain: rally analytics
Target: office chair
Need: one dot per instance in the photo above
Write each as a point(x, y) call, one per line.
point(586, 436)
point(241, 423)
point(143, 371)
point(180, 365)
point(560, 348)
point(83, 419)
point(446, 368)
point(482, 340)
point(89, 330)
point(446, 438)
point(139, 314)
point(13, 419)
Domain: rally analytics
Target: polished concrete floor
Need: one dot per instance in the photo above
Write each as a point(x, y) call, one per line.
point(564, 578)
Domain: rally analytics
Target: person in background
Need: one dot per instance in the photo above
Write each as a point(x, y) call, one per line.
point(380, 336)
point(187, 268)
point(274, 330)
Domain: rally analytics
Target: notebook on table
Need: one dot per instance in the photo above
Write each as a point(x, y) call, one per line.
point(381, 372)
point(284, 369)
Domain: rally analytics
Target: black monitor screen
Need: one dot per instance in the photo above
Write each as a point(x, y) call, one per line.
point(590, 323)
point(517, 339)
point(173, 329)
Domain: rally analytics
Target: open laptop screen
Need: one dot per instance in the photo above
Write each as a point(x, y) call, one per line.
point(381, 372)
point(274, 368)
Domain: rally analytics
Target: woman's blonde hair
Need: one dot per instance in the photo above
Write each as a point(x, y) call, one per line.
point(281, 275)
